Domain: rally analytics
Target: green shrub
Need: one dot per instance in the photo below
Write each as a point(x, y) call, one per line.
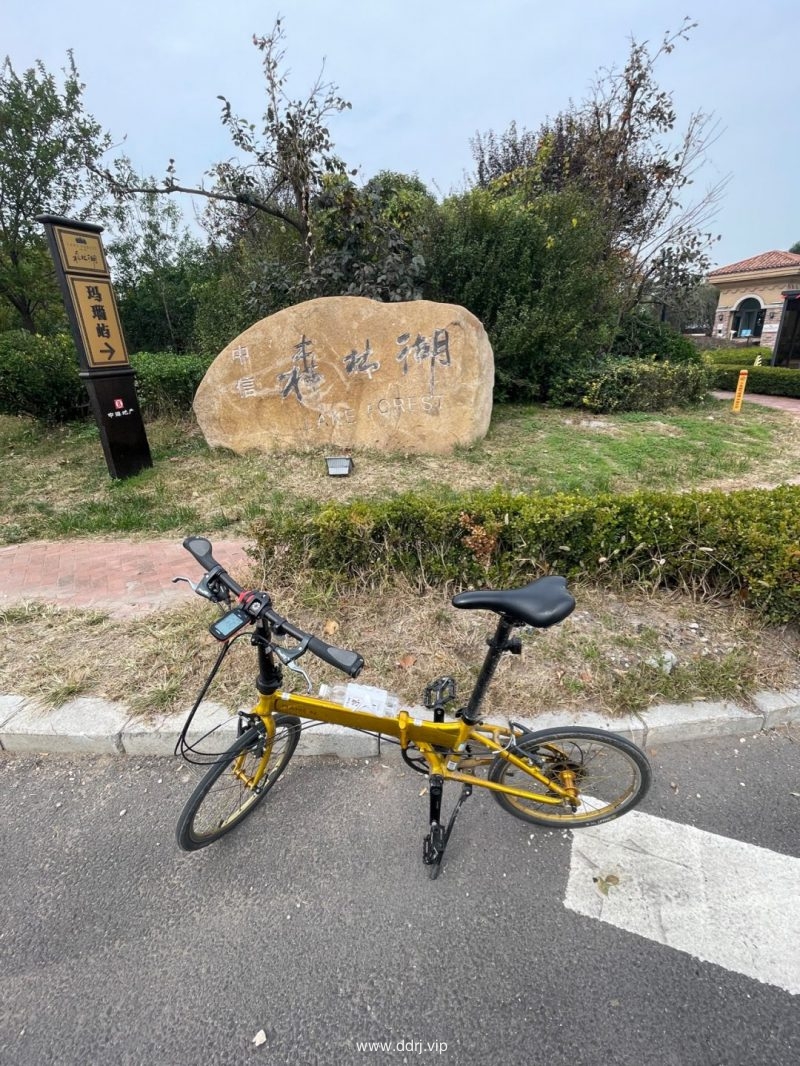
point(709, 344)
point(640, 336)
point(768, 380)
point(39, 377)
point(739, 356)
point(165, 382)
point(616, 385)
point(743, 543)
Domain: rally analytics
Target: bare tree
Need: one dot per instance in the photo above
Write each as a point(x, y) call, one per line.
point(620, 145)
point(282, 163)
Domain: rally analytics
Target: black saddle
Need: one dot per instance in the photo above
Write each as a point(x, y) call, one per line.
point(542, 603)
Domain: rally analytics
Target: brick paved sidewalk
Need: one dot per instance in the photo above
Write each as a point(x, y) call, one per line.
point(122, 578)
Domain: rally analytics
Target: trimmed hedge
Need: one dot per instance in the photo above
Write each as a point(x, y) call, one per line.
point(768, 380)
point(165, 382)
point(743, 543)
point(617, 385)
point(708, 345)
point(745, 357)
point(39, 377)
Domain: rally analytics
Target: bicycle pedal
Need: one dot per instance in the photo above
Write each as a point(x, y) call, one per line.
point(439, 692)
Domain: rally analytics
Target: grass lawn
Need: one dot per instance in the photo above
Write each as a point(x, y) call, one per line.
point(54, 482)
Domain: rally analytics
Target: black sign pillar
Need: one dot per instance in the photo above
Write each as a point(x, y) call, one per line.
point(85, 282)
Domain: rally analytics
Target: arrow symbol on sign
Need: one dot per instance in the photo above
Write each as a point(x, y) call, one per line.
point(723, 901)
point(108, 350)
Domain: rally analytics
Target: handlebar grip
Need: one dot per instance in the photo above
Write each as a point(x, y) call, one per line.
point(201, 549)
point(349, 662)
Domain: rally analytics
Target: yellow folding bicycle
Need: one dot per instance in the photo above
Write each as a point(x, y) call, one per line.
point(554, 777)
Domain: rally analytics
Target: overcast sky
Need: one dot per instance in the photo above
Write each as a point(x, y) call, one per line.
point(424, 75)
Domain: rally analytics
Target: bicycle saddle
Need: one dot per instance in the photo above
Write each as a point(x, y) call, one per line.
point(541, 603)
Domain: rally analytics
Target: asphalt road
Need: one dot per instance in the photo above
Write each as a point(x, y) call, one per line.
point(316, 922)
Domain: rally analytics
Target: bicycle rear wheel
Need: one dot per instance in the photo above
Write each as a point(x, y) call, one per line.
point(611, 774)
point(237, 782)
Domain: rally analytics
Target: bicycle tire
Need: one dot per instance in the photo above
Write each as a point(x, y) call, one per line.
point(597, 758)
point(235, 799)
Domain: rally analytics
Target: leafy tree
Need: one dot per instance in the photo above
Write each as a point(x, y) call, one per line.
point(286, 221)
point(795, 248)
point(403, 201)
point(509, 156)
point(45, 139)
point(689, 308)
point(622, 148)
point(369, 241)
point(157, 267)
point(533, 272)
point(372, 241)
point(254, 272)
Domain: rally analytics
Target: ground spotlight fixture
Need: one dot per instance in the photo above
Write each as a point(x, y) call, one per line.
point(339, 465)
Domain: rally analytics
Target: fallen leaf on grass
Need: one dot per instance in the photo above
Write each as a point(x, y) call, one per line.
point(405, 662)
point(330, 629)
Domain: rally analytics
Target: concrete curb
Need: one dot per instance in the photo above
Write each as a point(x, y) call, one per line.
point(89, 725)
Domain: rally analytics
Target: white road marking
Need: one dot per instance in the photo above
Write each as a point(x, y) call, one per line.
point(720, 900)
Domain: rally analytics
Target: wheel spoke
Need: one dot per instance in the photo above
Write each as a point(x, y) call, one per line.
point(611, 775)
point(223, 799)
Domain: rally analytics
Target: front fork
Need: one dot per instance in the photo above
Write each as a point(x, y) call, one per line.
point(264, 712)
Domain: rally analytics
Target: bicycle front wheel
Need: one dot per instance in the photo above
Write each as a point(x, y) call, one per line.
point(237, 782)
point(610, 774)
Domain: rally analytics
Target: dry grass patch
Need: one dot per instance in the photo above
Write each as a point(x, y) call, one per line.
point(609, 655)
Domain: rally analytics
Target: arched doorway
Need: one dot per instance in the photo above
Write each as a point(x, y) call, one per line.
point(748, 318)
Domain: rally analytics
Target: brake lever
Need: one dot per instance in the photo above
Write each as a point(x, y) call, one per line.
point(202, 588)
point(288, 657)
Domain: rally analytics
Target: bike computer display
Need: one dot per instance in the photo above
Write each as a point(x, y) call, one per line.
point(224, 628)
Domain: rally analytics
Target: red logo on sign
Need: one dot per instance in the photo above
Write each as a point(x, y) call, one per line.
point(119, 404)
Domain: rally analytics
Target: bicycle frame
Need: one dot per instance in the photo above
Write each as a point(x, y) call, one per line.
point(440, 743)
point(427, 736)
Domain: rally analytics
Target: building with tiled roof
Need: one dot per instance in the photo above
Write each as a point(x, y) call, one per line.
point(757, 263)
point(759, 303)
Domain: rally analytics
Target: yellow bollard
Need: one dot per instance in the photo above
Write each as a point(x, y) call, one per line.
point(737, 400)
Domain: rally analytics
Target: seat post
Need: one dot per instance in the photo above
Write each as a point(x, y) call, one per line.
point(497, 645)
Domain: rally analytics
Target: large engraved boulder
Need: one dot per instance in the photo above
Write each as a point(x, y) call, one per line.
point(346, 372)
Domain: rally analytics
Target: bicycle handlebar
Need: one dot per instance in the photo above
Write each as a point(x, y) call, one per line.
point(349, 662)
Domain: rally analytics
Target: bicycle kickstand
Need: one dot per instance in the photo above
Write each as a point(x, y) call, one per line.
point(436, 841)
